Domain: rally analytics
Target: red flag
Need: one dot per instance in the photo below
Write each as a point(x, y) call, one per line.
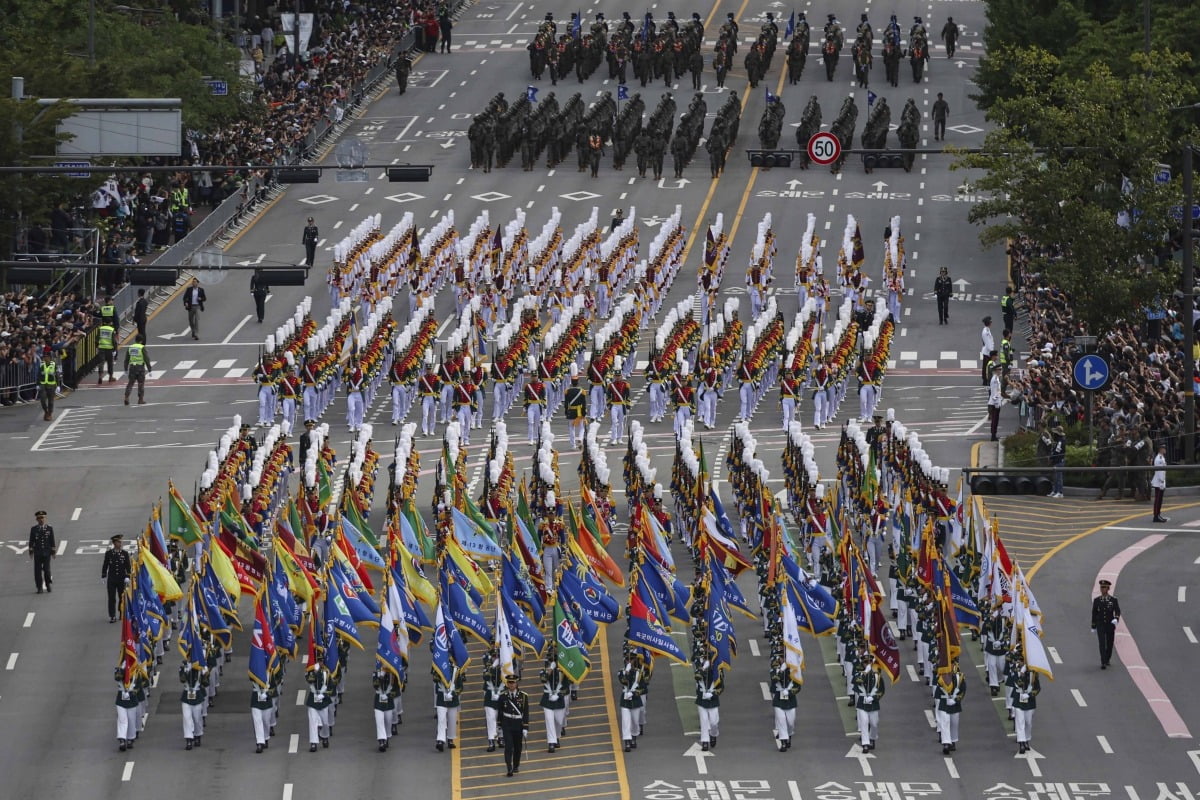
point(883, 645)
point(128, 649)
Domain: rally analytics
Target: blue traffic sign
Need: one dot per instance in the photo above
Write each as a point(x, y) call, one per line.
point(1162, 174)
point(82, 166)
point(1177, 212)
point(218, 88)
point(1091, 372)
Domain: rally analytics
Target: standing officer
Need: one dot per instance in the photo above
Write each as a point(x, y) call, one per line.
point(41, 550)
point(108, 311)
point(140, 309)
point(1106, 613)
point(941, 110)
point(987, 346)
point(403, 68)
point(995, 401)
point(260, 290)
point(106, 343)
point(115, 572)
point(514, 723)
point(950, 37)
point(942, 289)
point(1158, 483)
point(309, 239)
point(1008, 308)
point(137, 366)
point(48, 383)
point(193, 302)
point(869, 686)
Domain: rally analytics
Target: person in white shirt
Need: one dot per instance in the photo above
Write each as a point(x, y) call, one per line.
point(995, 399)
point(1158, 482)
point(987, 348)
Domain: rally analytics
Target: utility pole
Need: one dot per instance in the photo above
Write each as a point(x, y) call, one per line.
point(1186, 311)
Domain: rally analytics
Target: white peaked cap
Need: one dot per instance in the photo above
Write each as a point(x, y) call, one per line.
point(820, 489)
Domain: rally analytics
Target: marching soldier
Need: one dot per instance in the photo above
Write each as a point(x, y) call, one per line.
point(398, 377)
point(428, 386)
point(115, 572)
point(632, 678)
point(514, 723)
point(555, 687)
point(264, 376)
point(493, 692)
point(818, 528)
point(656, 389)
point(41, 551)
point(710, 682)
point(788, 390)
point(386, 690)
point(748, 388)
point(356, 384)
point(309, 240)
point(319, 701)
point(192, 702)
point(784, 688)
point(127, 712)
point(575, 405)
point(289, 392)
point(819, 396)
point(996, 636)
point(869, 686)
point(597, 377)
point(948, 695)
point(1025, 692)
point(618, 400)
point(682, 395)
point(447, 699)
point(464, 396)
point(709, 392)
point(535, 401)
point(261, 707)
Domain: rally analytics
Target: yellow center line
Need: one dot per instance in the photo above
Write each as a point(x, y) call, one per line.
point(541, 791)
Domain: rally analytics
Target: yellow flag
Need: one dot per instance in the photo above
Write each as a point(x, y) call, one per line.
point(469, 568)
point(295, 573)
point(164, 583)
point(420, 587)
point(222, 565)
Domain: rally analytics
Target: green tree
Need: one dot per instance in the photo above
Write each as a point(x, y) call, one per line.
point(1055, 164)
point(29, 130)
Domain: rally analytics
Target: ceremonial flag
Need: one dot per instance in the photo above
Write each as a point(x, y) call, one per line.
point(585, 589)
point(159, 577)
point(593, 519)
point(354, 518)
point(658, 536)
point(710, 247)
point(262, 644)
point(721, 636)
point(793, 654)
point(586, 627)
point(948, 639)
point(965, 610)
point(790, 30)
point(516, 583)
point(572, 655)
point(405, 608)
point(214, 615)
point(725, 548)
point(672, 596)
point(366, 552)
point(414, 579)
point(338, 617)
point(517, 624)
point(472, 537)
point(286, 615)
point(155, 541)
point(180, 520)
point(531, 93)
point(526, 522)
point(391, 649)
point(479, 581)
point(426, 552)
point(1028, 630)
point(130, 667)
point(447, 648)
point(360, 603)
point(504, 641)
point(622, 92)
point(527, 548)
point(730, 591)
point(191, 644)
point(222, 568)
point(871, 98)
point(407, 533)
point(462, 609)
point(300, 580)
point(324, 482)
point(476, 516)
point(770, 98)
point(147, 608)
point(648, 631)
point(589, 550)
point(883, 644)
point(577, 25)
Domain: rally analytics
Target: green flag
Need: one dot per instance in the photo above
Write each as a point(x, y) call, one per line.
point(324, 483)
point(428, 554)
point(350, 509)
point(181, 524)
point(572, 657)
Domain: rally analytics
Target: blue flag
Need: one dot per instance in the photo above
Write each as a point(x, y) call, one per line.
point(770, 98)
point(666, 591)
point(730, 591)
point(515, 581)
point(191, 644)
point(531, 93)
point(723, 523)
point(790, 30)
point(285, 615)
point(410, 610)
point(213, 614)
point(576, 25)
point(590, 595)
point(387, 651)
point(462, 609)
point(262, 644)
point(359, 602)
point(472, 539)
point(586, 626)
point(366, 553)
point(338, 618)
point(871, 97)
point(446, 646)
point(520, 626)
point(965, 610)
point(622, 92)
point(721, 636)
point(408, 536)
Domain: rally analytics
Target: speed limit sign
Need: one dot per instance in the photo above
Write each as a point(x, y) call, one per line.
point(824, 148)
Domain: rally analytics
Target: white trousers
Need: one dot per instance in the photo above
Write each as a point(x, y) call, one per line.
point(289, 415)
point(318, 718)
point(710, 720)
point(266, 405)
point(261, 717)
point(383, 725)
point(866, 401)
point(1023, 718)
point(628, 723)
point(785, 723)
point(447, 723)
point(126, 722)
point(428, 414)
point(354, 410)
point(491, 718)
point(789, 411)
point(193, 720)
point(947, 724)
point(819, 408)
point(555, 719)
point(868, 725)
point(397, 402)
point(995, 668)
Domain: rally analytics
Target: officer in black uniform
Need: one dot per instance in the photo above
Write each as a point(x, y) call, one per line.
point(311, 234)
point(514, 723)
point(115, 572)
point(259, 289)
point(41, 550)
point(1106, 613)
point(403, 68)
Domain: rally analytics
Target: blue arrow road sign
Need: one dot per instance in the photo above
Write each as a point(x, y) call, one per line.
point(1091, 372)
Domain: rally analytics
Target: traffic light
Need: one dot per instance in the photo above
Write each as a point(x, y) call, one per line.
point(152, 276)
point(285, 276)
point(410, 173)
point(298, 175)
point(770, 158)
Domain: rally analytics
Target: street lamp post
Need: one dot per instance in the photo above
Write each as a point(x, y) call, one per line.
point(1188, 304)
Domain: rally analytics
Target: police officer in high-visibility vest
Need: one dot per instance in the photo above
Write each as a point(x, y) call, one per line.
point(108, 312)
point(48, 382)
point(106, 344)
point(137, 366)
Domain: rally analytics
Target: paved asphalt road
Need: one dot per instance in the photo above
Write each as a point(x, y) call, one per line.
point(99, 466)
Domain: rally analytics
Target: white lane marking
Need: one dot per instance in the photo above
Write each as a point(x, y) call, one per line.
point(62, 547)
point(1181, 596)
point(12, 661)
point(1054, 655)
point(1187, 631)
point(75, 514)
point(28, 620)
point(754, 647)
point(233, 332)
point(766, 690)
point(1079, 698)
point(127, 773)
point(293, 743)
point(1104, 745)
point(299, 697)
point(951, 769)
point(287, 791)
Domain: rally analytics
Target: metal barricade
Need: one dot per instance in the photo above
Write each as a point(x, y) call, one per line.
point(18, 383)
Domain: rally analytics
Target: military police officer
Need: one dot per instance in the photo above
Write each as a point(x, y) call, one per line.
point(42, 550)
